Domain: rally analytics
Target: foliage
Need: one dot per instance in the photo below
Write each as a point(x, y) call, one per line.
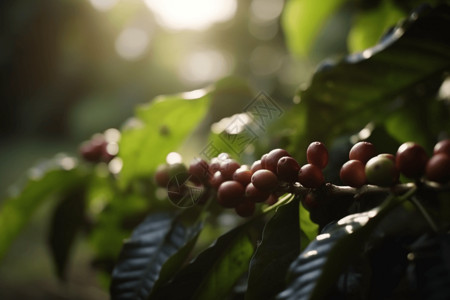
point(387, 94)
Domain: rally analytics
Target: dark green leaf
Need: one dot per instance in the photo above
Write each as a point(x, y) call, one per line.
point(369, 25)
point(279, 247)
point(344, 96)
point(216, 270)
point(431, 265)
point(143, 256)
point(67, 220)
point(55, 176)
point(317, 268)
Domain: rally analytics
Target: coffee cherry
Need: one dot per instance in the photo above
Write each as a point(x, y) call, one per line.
point(271, 200)
point(263, 160)
point(230, 193)
point(317, 154)
point(388, 155)
point(287, 169)
point(380, 170)
point(353, 173)
point(411, 160)
point(199, 169)
point(245, 209)
point(161, 176)
point(310, 201)
point(227, 168)
point(442, 147)
point(214, 165)
point(265, 180)
point(243, 175)
point(362, 151)
point(310, 176)
point(273, 157)
point(177, 193)
point(93, 150)
point(177, 169)
point(216, 180)
point(256, 195)
point(256, 166)
point(438, 168)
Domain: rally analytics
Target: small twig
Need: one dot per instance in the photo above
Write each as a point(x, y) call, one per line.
point(337, 190)
point(425, 214)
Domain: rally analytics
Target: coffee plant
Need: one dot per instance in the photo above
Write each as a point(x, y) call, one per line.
point(345, 194)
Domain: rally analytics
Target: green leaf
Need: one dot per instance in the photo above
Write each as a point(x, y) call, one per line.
point(317, 268)
point(53, 177)
point(161, 127)
point(214, 272)
point(66, 221)
point(303, 19)
point(308, 229)
point(370, 25)
point(344, 96)
point(279, 247)
point(153, 243)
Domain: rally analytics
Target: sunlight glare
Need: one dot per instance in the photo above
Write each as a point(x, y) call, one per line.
point(103, 5)
point(193, 14)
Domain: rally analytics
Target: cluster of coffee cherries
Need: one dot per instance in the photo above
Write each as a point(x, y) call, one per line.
point(365, 166)
point(101, 147)
point(241, 187)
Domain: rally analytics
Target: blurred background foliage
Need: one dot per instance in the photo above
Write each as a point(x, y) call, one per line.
point(72, 68)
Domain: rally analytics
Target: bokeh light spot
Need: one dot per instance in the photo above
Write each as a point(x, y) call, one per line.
point(132, 43)
point(204, 66)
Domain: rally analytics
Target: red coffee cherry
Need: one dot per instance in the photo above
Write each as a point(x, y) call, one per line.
point(317, 154)
point(177, 193)
point(438, 168)
point(199, 169)
point(263, 160)
point(216, 180)
point(271, 200)
point(93, 150)
point(287, 169)
point(256, 166)
point(227, 168)
point(230, 193)
point(256, 195)
point(214, 165)
point(411, 160)
point(161, 175)
point(265, 180)
point(245, 209)
point(442, 147)
point(310, 176)
point(310, 201)
point(243, 175)
point(362, 151)
point(353, 173)
point(380, 170)
point(272, 158)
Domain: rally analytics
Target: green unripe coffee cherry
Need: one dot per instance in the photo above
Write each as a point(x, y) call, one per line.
point(380, 170)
